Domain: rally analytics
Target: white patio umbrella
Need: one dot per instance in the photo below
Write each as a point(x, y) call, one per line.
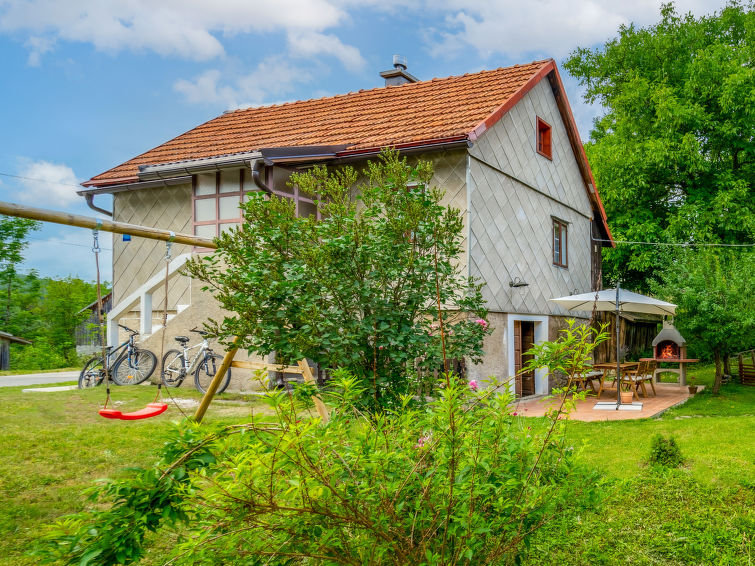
point(618, 300)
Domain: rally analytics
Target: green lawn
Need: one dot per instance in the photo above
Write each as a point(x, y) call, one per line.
point(55, 445)
point(703, 513)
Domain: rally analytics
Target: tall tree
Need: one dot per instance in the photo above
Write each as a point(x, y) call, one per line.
point(674, 152)
point(714, 291)
point(359, 289)
point(13, 233)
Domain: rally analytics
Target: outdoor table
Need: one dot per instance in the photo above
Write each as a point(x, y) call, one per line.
point(609, 366)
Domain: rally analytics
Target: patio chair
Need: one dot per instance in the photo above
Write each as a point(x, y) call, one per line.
point(636, 378)
point(584, 379)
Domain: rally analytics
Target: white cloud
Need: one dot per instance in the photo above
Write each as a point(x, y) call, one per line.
point(272, 78)
point(47, 184)
point(38, 46)
point(543, 27)
point(184, 28)
point(310, 44)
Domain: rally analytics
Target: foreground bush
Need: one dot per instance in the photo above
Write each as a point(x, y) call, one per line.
point(457, 479)
point(461, 480)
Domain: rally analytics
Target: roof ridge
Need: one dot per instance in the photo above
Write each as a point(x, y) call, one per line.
point(363, 90)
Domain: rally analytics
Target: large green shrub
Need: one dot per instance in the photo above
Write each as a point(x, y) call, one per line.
point(362, 287)
point(459, 480)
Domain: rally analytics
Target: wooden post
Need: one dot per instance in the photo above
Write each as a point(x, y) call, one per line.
point(219, 375)
point(12, 209)
point(322, 410)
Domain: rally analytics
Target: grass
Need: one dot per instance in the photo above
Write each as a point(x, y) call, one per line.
point(55, 446)
point(702, 513)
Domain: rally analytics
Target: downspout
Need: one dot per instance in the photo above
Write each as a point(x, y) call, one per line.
point(257, 169)
point(90, 203)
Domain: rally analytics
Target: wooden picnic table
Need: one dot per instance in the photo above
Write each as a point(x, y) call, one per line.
point(607, 367)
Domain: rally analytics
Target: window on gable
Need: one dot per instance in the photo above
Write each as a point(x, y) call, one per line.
point(544, 147)
point(560, 243)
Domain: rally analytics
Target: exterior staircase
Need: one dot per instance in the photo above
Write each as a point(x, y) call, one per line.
point(143, 298)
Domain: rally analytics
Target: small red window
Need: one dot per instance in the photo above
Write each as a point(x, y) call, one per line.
point(544, 139)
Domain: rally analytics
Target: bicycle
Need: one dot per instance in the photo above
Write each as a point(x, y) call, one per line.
point(130, 364)
point(176, 365)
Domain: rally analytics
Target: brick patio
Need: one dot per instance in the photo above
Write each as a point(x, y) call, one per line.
point(669, 395)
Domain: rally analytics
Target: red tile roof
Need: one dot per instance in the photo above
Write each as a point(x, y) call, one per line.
point(439, 109)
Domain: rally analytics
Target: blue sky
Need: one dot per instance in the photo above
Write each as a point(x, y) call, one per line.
point(88, 84)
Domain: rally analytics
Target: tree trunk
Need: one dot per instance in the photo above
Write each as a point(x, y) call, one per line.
point(717, 381)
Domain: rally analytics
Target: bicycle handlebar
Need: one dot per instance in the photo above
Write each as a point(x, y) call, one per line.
point(127, 329)
point(200, 332)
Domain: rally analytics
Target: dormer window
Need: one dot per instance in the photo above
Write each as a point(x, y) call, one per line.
point(544, 139)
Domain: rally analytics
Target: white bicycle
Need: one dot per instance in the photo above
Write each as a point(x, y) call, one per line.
point(177, 364)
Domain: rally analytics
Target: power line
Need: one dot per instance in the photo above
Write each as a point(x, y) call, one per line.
point(39, 180)
point(67, 243)
point(679, 244)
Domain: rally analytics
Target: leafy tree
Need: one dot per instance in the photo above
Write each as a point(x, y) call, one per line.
point(47, 311)
point(674, 153)
point(713, 290)
point(60, 310)
point(13, 232)
point(361, 288)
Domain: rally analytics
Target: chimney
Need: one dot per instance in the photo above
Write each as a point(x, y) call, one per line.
point(398, 75)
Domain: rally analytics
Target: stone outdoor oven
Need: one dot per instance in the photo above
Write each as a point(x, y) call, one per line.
point(669, 345)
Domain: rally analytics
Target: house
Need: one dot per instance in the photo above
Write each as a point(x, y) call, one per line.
point(5, 340)
point(505, 148)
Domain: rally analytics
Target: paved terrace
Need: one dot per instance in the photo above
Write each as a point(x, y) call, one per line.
point(668, 395)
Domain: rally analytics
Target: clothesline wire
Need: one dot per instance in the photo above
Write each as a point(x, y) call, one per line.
point(679, 244)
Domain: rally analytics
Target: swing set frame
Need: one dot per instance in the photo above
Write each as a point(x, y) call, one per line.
point(152, 409)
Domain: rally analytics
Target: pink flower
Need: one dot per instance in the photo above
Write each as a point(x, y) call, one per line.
point(514, 413)
point(482, 322)
point(380, 347)
point(421, 441)
point(473, 385)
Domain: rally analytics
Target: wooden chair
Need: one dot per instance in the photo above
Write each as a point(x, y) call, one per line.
point(584, 379)
point(636, 378)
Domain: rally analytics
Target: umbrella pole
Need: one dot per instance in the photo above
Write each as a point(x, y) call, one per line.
point(618, 364)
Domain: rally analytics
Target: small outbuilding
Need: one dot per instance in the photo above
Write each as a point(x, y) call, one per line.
point(5, 340)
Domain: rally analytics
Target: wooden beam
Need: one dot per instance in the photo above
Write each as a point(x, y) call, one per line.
point(322, 410)
point(45, 215)
point(219, 375)
point(267, 367)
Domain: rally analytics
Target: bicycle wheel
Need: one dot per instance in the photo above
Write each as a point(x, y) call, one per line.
point(206, 371)
point(173, 371)
point(136, 370)
point(93, 374)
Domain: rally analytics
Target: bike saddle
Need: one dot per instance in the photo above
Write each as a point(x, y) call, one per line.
point(182, 339)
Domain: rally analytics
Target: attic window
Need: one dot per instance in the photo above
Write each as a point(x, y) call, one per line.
point(544, 138)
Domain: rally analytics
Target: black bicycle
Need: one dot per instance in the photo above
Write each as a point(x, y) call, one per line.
point(177, 364)
point(129, 364)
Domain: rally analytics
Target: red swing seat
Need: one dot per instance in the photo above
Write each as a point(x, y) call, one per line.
point(151, 410)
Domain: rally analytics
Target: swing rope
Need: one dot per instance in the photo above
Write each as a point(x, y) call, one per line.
point(103, 341)
point(154, 408)
point(168, 256)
